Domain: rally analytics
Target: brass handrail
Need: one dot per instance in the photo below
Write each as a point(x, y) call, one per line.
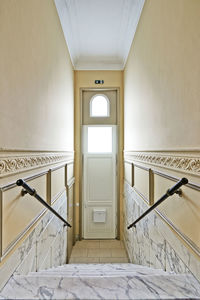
point(170, 192)
point(28, 190)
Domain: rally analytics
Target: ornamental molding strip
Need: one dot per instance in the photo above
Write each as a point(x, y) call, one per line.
point(181, 162)
point(11, 163)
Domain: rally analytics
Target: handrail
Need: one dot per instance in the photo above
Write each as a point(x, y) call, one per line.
point(32, 192)
point(169, 193)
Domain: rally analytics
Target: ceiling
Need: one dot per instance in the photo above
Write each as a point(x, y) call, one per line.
point(99, 33)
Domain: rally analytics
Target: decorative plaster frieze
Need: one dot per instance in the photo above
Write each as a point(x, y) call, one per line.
point(181, 162)
point(17, 162)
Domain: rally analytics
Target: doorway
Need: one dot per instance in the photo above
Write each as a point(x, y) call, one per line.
point(99, 164)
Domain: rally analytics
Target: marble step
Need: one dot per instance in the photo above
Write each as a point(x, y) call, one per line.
point(100, 267)
point(100, 270)
point(126, 287)
point(94, 274)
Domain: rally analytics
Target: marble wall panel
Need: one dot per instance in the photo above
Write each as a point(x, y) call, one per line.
point(29, 263)
point(44, 243)
point(29, 256)
point(56, 254)
point(46, 262)
point(153, 242)
point(173, 261)
point(63, 245)
point(59, 248)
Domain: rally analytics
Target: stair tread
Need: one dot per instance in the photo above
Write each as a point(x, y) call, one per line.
point(101, 266)
point(170, 286)
point(100, 269)
point(99, 273)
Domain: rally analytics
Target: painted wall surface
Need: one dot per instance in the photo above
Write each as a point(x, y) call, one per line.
point(161, 78)
point(85, 79)
point(36, 134)
point(162, 123)
point(36, 78)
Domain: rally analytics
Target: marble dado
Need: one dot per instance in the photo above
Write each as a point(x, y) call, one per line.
point(186, 161)
point(44, 247)
point(16, 162)
point(150, 183)
point(50, 183)
point(152, 243)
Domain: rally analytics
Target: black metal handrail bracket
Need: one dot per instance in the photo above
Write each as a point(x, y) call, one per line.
point(170, 192)
point(28, 190)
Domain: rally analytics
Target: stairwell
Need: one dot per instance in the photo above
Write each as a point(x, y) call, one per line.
point(98, 269)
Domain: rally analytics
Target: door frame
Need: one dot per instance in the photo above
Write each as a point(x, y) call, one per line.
point(119, 133)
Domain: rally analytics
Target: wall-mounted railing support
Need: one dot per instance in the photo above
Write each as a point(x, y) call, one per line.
point(174, 190)
point(28, 190)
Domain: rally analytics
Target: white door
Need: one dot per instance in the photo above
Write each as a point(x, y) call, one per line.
point(99, 181)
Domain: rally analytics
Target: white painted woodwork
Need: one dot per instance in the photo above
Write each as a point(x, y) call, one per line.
point(99, 190)
point(99, 33)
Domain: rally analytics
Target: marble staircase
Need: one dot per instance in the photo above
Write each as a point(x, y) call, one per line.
point(101, 281)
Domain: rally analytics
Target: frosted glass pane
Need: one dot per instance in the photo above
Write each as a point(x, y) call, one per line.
point(99, 107)
point(99, 139)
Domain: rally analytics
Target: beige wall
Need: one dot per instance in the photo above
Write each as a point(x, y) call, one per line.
point(36, 118)
point(162, 112)
point(161, 78)
point(85, 79)
point(36, 78)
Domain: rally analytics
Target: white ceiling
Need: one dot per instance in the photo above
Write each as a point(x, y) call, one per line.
point(99, 33)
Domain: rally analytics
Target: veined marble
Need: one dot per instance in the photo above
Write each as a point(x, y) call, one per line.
point(97, 287)
point(152, 242)
point(102, 270)
point(30, 256)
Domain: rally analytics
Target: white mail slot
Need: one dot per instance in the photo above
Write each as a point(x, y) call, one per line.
point(99, 215)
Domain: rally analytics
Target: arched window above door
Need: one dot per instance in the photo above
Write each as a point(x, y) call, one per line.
point(99, 106)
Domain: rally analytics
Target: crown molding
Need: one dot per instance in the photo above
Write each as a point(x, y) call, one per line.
point(67, 13)
point(113, 44)
point(92, 66)
point(128, 32)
